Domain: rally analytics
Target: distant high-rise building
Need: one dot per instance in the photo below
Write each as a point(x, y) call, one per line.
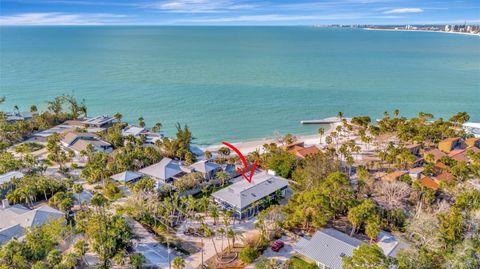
point(447, 28)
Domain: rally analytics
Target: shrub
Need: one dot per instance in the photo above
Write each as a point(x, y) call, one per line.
point(252, 239)
point(248, 254)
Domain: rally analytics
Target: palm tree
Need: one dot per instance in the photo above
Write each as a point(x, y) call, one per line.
point(223, 177)
point(178, 263)
point(118, 117)
point(232, 235)
point(55, 106)
point(214, 214)
point(221, 231)
point(156, 128)
point(340, 115)
point(208, 154)
point(78, 189)
point(82, 109)
point(33, 109)
point(16, 109)
point(141, 122)
point(396, 112)
point(137, 260)
point(321, 132)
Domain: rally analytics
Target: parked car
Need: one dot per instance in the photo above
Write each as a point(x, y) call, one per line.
point(277, 245)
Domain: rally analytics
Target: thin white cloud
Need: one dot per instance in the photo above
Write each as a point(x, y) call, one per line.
point(58, 18)
point(199, 6)
point(403, 10)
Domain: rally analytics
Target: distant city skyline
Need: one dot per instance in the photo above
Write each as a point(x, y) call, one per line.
point(236, 12)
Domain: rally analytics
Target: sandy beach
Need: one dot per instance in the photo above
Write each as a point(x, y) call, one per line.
point(250, 146)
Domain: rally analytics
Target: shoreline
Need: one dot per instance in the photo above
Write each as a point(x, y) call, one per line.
point(249, 146)
point(427, 31)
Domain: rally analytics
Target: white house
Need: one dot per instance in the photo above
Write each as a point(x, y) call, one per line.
point(245, 198)
point(327, 247)
point(16, 218)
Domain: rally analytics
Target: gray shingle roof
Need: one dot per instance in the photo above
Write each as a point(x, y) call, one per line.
point(72, 137)
point(10, 175)
point(328, 246)
point(243, 193)
point(126, 176)
point(13, 217)
point(164, 169)
point(204, 166)
point(10, 232)
point(390, 244)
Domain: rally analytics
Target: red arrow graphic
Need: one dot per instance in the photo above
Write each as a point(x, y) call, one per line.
point(244, 161)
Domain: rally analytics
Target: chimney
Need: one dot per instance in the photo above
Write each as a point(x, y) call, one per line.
point(5, 203)
point(271, 172)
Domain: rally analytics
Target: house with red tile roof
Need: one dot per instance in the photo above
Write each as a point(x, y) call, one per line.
point(473, 142)
point(393, 176)
point(430, 183)
point(300, 151)
point(436, 153)
point(450, 144)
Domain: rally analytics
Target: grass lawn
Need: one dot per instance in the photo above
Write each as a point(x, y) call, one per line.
point(298, 263)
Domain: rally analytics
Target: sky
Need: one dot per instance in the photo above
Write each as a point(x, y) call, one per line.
point(237, 12)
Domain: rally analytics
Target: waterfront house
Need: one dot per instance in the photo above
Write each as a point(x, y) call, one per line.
point(18, 116)
point(472, 128)
point(80, 141)
point(127, 176)
point(137, 132)
point(99, 122)
point(327, 247)
point(300, 151)
point(207, 168)
point(70, 138)
point(165, 171)
point(450, 144)
point(16, 218)
point(245, 198)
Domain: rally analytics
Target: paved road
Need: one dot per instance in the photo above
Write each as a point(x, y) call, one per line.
point(154, 252)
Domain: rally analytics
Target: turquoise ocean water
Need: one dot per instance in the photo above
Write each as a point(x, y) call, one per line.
point(239, 83)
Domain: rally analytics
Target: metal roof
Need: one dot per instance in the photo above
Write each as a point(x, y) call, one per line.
point(389, 244)
point(8, 176)
point(16, 216)
point(205, 166)
point(99, 120)
point(132, 130)
point(126, 176)
point(164, 169)
point(243, 193)
point(328, 247)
